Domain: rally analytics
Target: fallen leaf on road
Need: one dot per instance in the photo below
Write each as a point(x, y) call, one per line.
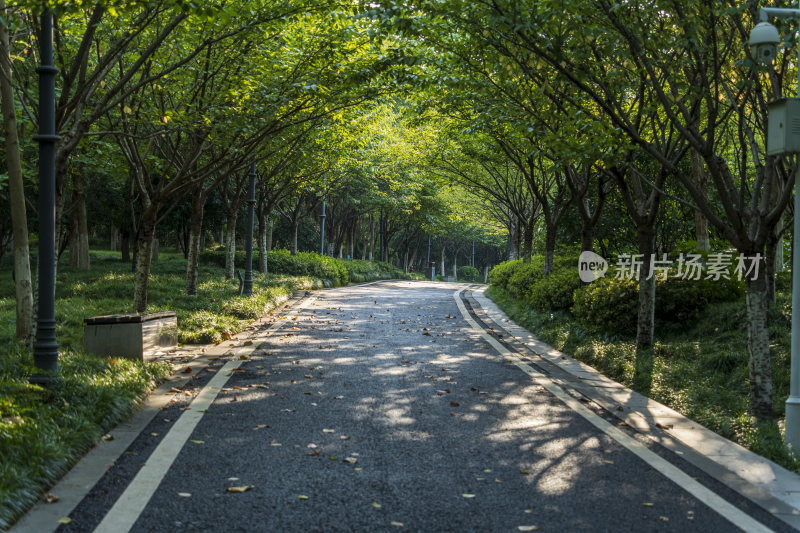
point(241, 488)
point(454, 403)
point(328, 430)
point(345, 437)
point(525, 472)
point(185, 494)
point(376, 505)
point(198, 441)
point(664, 518)
point(108, 436)
point(51, 498)
point(528, 528)
point(351, 460)
point(65, 520)
point(302, 497)
point(647, 504)
point(465, 495)
point(187, 370)
point(396, 524)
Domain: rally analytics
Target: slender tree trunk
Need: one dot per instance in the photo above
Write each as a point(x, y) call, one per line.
point(79, 234)
point(195, 231)
point(645, 320)
point(769, 265)
point(549, 248)
point(112, 238)
point(758, 348)
point(125, 246)
point(647, 290)
point(262, 243)
point(701, 182)
point(295, 224)
point(443, 273)
point(230, 245)
point(371, 237)
point(144, 254)
point(16, 193)
point(527, 243)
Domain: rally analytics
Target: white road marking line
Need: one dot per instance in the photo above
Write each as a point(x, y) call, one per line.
point(132, 502)
point(126, 510)
point(736, 516)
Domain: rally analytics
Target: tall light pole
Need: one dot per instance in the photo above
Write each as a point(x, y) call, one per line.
point(247, 283)
point(764, 39)
point(45, 347)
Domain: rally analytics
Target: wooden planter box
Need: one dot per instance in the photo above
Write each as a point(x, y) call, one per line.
point(132, 336)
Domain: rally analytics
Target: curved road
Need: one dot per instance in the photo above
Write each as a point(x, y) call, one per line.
point(381, 407)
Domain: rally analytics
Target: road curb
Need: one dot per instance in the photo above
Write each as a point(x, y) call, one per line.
point(758, 479)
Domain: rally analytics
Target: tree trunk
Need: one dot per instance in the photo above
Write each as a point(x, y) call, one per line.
point(262, 243)
point(195, 230)
point(647, 290)
point(144, 254)
point(230, 245)
point(643, 365)
point(371, 237)
point(443, 271)
point(769, 267)
point(155, 248)
point(16, 194)
point(549, 248)
point(587, 230)
point(79, 234)
point(125, 247)
point(758, 348)
point(701, 182)
point(295, 223)
point(112, 239)
point(527, 243)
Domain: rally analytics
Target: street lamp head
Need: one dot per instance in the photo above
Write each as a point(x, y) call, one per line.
point(764, 39)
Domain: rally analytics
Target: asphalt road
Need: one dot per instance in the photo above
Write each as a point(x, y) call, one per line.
point(379, 408)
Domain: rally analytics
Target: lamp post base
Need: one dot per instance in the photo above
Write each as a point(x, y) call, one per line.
point(793, 424)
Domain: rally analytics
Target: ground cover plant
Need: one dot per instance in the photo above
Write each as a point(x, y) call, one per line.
point(698, 364)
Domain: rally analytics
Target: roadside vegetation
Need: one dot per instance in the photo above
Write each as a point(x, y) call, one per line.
point(698, 363)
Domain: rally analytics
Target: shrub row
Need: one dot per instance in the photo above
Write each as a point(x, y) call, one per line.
point(608, 304)
point(336, 271)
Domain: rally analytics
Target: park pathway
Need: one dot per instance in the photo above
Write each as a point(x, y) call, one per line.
point(388, 407)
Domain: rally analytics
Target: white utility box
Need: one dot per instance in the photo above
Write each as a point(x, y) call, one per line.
point(783, 126)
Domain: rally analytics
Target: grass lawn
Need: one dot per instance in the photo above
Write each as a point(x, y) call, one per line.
point(698, 368)
point(43, 432)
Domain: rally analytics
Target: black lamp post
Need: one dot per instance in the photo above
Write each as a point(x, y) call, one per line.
point(247, 283)
point(45, 347)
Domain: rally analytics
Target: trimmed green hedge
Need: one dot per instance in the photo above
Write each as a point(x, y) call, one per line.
point(336, 271)
point(469, 273)
point(607, 304)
